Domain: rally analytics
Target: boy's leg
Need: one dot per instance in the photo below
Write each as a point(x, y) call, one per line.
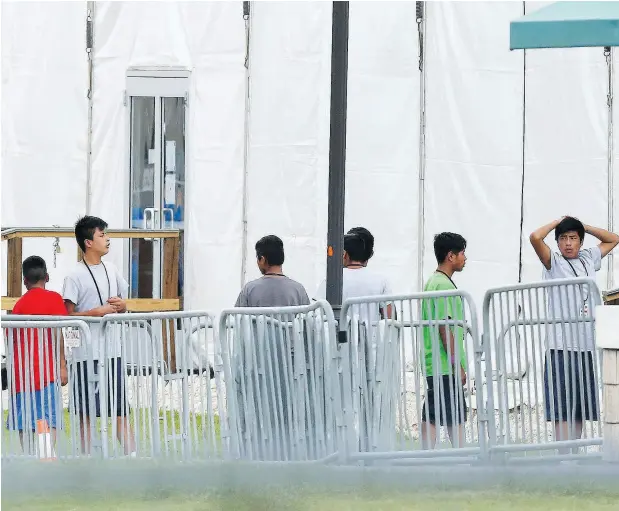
point(81, 399)
point(126, 435)
point(428, 435)
point(48, 397)
point(555, 396)
point(22, 408)
point(124, 430)
point(455, 409)
point(428, 417)
point(85, 435)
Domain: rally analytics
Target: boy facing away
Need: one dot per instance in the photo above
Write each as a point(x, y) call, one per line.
point(36, 364)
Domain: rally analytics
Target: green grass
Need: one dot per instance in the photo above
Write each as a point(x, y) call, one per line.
point(169, 422)
point(491, 500)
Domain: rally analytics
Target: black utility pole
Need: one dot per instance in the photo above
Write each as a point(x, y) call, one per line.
point(337, 154)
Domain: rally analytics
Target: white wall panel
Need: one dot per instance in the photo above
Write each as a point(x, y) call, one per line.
point(383, 135)
point(565, 150)
point(289, 134)
point(474, 138)
point(44, 123)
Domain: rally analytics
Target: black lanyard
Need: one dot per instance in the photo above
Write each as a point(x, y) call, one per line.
point(109, 289)
point(574, 270)
point(576, 274)
point(454, 284)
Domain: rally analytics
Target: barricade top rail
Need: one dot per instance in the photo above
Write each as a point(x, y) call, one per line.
point(321, 305)
point(144, 316)
point(424, 295)
point(408, 296)
point(25, 317)
point(75, 323)
point(542, 284)
point(264, 311)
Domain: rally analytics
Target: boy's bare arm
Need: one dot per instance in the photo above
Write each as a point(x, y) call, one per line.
point(64, 375)
point(98, 312)
point(608, 240)
point(539, 245)
point(449, 343)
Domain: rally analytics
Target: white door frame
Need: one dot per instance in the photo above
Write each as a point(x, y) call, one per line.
point(158, 83)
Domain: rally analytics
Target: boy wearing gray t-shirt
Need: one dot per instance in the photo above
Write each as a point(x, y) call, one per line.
point(570, 387)
point(273, 289)
point(94, 288)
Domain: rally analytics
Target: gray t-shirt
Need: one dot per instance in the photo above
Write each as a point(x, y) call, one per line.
point(571, 301)
point(272, 292)
point(79, 288)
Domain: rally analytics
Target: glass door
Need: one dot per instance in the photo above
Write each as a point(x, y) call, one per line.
point(157, 169)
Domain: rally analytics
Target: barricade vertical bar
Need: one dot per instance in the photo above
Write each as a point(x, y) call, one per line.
point(283, 378)
point(372, 358)
point(35, 412)
point(184, 367)
point(522, 374)
point(567, 368)
point(418, 348)
point(266, 402)
point(542, 355)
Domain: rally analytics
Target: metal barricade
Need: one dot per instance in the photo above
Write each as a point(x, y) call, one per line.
point(281, 365)
point(402, 384)
point(543, 371)
point(159, 374)
point(42, 391)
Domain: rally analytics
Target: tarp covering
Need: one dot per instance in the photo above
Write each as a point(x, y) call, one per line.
point(567, 25)
point(497, 128)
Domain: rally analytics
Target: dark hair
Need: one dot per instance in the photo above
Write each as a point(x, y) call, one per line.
point(85, 229)
point(569, 224)
point(359, 244)
point(34, 269)
point(446, 242)
point(272, 248)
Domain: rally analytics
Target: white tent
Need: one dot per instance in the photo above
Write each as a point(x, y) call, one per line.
point(500, 127)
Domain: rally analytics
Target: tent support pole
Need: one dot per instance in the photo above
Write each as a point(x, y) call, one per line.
point(90, 40)
point(246, 137)
point(337, 155)
point(608, 53)
point(421, 28)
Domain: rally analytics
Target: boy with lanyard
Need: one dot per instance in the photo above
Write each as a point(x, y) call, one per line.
point(95, 288)
point(273, 289)
point(444, 364)
point(569, 361)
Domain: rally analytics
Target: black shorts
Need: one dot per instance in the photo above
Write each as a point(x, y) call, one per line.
point(116, 389)
point(452, 407)
point(574, 386)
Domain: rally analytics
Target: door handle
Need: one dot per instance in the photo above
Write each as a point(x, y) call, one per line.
point(149, 223)
point(171, 211)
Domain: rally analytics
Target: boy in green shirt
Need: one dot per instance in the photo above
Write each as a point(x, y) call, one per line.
point(444, 361)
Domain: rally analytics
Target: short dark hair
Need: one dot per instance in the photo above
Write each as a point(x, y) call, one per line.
point(446, 242)
point(272, 248)
point(568, 224)
point(359, 244)
point(85, 229)
point(34, 269)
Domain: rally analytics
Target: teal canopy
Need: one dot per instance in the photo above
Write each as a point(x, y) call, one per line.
point(567, 25)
